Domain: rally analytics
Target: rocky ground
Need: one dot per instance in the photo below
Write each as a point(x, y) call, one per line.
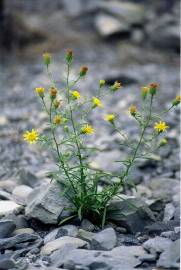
point(146, 236)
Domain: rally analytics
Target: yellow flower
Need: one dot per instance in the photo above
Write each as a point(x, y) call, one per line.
point(176, 101)
point(57, 119)
point(53, 93)
point(101, 83)
point(56, 103)
point(161, 126)
point(31, 136)
point(115, 86)
point(133, 110)
point(109, 117)
point(47, 58)
point(87, 129)
point(96, 102)
point(76, 94)
point(40, 91)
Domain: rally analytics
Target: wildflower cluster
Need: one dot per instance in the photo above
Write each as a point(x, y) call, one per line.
point(67, 109)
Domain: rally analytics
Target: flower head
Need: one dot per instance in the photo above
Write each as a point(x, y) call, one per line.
point(76, 94)
point(96, 102)
point(83, 71)
point(57, 119)
point(109, 117)
point(53, 93)
point(161, 127)
point(31, 136)
point(117, 85)
point(176, 101)
point(144, 91)
point(133, 110)
point(47, 58)
point(153, 88)
point(40, 91)
point(102, 83)
point(69, 56)
point(87, 129)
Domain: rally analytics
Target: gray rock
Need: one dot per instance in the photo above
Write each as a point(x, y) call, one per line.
point(129, 13)
point(158, 227)
point(85, 235)
point(61, 243)
point(13, 241)
point(46, 204)
point(6, 228)
point(157, 244)
point(21, 192)
point(164, 188)
point(87, 225)
point(118, 259)
point(25, 177)
point(104, 240)
point(67, 230)
point(107, 25)
point(131, 213)
point(6, 261)
point(148, 258)
point(169, 212)
point(9, 207)
point(171, 256)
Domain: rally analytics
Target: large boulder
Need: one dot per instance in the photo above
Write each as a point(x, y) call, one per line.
point(131, 213)
point(47, 204)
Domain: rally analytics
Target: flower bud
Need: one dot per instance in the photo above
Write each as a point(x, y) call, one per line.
point(53, 93)
point(47, 58)
point(133, 110)
point(56, 103)
point(163, 142)
point(176, 101)
point(101, 83)
point(144, 92)
point(83, 71)
point(69, 56)
point(153, 88)
point(115, 86)
point(110, 118)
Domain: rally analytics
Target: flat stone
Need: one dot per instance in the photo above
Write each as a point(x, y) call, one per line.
point(7, 185)
point(67, 230)
point(168, 212)
point(13, 241)
point(164, 188)
point(171, 256)
point(61, 243)
point(157, 244)
point(6, 228)
point(107, 25)
point(85, 235)
point(148, 258)
point(158, 227)
point(131, 213)
point(118, 259)
point(104, 240)
point(23, 230)
point(21, 193)
point(8, 207)
point(46, 204)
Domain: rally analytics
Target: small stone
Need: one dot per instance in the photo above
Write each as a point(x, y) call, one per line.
point(121, 230)
point(87, 225)
point(157, 244)
point(23, 230)
point(6, 228)
point(147, 258)
point(6, 261)
point(158, 227)
point(21, 193)
point(7, 185)
point(8, 207)
point(169, 212)
point(177, 229)
point(167, 234)
point(13, 241)
point(85, 235)
point(67, 230)
point(104, 240)
point(62, 242)
point(25, 177)
point(171, 256)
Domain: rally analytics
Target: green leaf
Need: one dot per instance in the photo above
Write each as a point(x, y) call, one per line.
point(66, 219)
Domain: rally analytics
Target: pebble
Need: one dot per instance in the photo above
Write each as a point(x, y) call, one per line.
point(104, 240)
